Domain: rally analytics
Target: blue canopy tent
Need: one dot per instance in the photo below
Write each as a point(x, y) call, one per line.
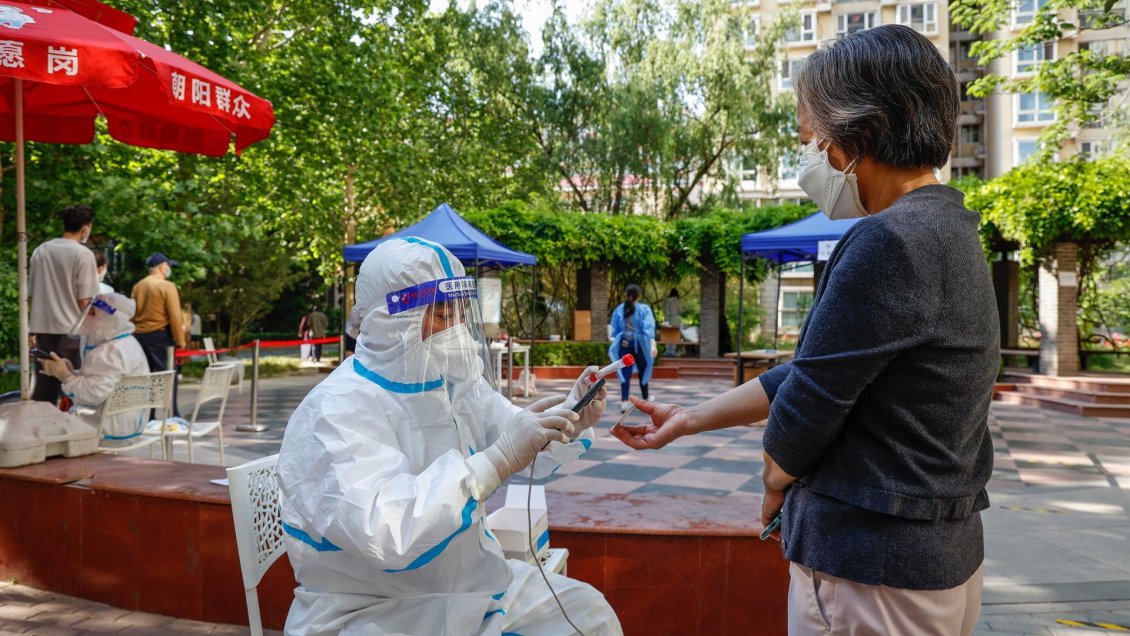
point(466, 242)
point(799, 241)
point(796, 242)
point(443, 225)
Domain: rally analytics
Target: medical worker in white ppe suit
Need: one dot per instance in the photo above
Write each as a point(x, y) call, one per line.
point(384, 467)
point(111, 352)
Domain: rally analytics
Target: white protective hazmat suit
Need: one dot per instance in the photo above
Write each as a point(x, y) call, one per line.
point(382, 489)
point(111, 352)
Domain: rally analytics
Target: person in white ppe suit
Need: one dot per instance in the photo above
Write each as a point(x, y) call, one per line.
point(385, 465)
point(111, 352)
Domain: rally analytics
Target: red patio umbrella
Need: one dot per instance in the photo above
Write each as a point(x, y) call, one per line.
point(95, 10)
point(59, 71)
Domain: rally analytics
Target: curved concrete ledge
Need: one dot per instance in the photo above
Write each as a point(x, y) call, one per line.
point(157, 537)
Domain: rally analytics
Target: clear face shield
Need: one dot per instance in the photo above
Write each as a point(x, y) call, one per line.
point(455, 348)
point(90, 314)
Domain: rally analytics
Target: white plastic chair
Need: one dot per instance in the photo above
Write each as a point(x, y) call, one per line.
point(213, 360)
point(140, 392)
point(215, 385)
point(258, 527)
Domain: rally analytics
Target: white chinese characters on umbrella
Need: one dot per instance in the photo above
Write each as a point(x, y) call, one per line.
point(202, 94)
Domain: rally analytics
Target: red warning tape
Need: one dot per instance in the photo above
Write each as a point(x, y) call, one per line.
point(263, 344)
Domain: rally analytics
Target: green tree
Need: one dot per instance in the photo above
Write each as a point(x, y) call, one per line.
point(644, 103)
point(254, 276)
point(1037, 205)
point(1082, 82)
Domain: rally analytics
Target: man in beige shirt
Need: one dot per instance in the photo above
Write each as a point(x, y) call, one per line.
point(63, 277)
point(158, 317)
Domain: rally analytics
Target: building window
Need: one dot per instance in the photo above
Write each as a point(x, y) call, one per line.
point(1029, 58)
point(848, 23)
point(1034, 108)
point(798, 270)
point(805, 32)
point(1100, 19)
point(922, 17)
point(789, 69)
point(1026, 11)
point(1023, 149)
point(965, 171)
point(970, 134)
point(752, 31)
point(747, 168)
point(1103, 48)
point(793, 306)
point(1091, 149)
point(788, 169)
point(1096, 116)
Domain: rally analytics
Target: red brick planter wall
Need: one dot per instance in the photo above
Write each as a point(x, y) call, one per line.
point(157, 537)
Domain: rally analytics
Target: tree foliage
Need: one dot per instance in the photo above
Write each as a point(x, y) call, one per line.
point(1037, 205)
point(640, 249)
point(645, 104)
point(1082, 82)
point(386, 108)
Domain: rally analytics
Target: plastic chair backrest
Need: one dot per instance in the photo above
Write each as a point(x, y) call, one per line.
point(258, 526)
point(139, 393)
point(213, 386)
point(210, 347)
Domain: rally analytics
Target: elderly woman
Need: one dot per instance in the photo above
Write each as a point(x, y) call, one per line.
point(877, 449)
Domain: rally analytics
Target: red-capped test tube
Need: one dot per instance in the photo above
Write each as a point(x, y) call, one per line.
point(627, 361)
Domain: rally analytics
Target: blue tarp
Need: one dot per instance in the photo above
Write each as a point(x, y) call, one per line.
point(443, 225)
point(797, 241)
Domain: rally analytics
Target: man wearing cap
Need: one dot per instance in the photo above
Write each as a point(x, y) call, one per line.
point(158, 317)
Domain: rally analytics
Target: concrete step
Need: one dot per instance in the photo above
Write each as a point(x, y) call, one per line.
point(1079, 395)
point(1085, 383)
point(1064, 405)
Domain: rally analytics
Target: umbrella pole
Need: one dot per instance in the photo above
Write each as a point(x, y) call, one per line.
point(21, 244)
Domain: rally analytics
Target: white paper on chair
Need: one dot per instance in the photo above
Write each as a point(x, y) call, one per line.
point(220, 482)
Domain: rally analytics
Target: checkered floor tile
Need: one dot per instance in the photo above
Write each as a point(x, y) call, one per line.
point(1033, 447)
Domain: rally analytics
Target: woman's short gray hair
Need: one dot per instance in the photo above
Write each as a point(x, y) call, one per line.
point(885, 92)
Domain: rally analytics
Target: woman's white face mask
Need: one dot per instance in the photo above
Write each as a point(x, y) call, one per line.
point(825, 185)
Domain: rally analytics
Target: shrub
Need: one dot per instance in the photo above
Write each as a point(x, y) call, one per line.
point(569, 353)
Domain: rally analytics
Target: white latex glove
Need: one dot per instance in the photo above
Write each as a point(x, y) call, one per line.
point(527, 433)
point(591, 414)
point(58, 367)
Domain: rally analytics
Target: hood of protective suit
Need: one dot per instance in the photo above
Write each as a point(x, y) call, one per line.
point(388, 326)
point(109, 316)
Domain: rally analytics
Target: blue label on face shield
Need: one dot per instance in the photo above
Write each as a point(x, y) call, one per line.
point(98, 303)
point(433, 291)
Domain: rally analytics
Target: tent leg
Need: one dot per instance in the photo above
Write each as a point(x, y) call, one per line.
point(534, 313)
point(777, 307)
point(741, 328)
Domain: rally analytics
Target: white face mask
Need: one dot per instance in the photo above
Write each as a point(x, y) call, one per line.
point(825, 185)
point(454, 354)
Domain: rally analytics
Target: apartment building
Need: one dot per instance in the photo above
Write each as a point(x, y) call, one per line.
point(994, 134)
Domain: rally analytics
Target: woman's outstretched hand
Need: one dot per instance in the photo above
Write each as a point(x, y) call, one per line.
point(668, 423)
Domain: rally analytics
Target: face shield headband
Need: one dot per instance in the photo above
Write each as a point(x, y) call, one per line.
point(431, 292)
point(98, 303)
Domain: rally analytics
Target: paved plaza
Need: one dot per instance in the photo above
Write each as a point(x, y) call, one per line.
point(1057, 532)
